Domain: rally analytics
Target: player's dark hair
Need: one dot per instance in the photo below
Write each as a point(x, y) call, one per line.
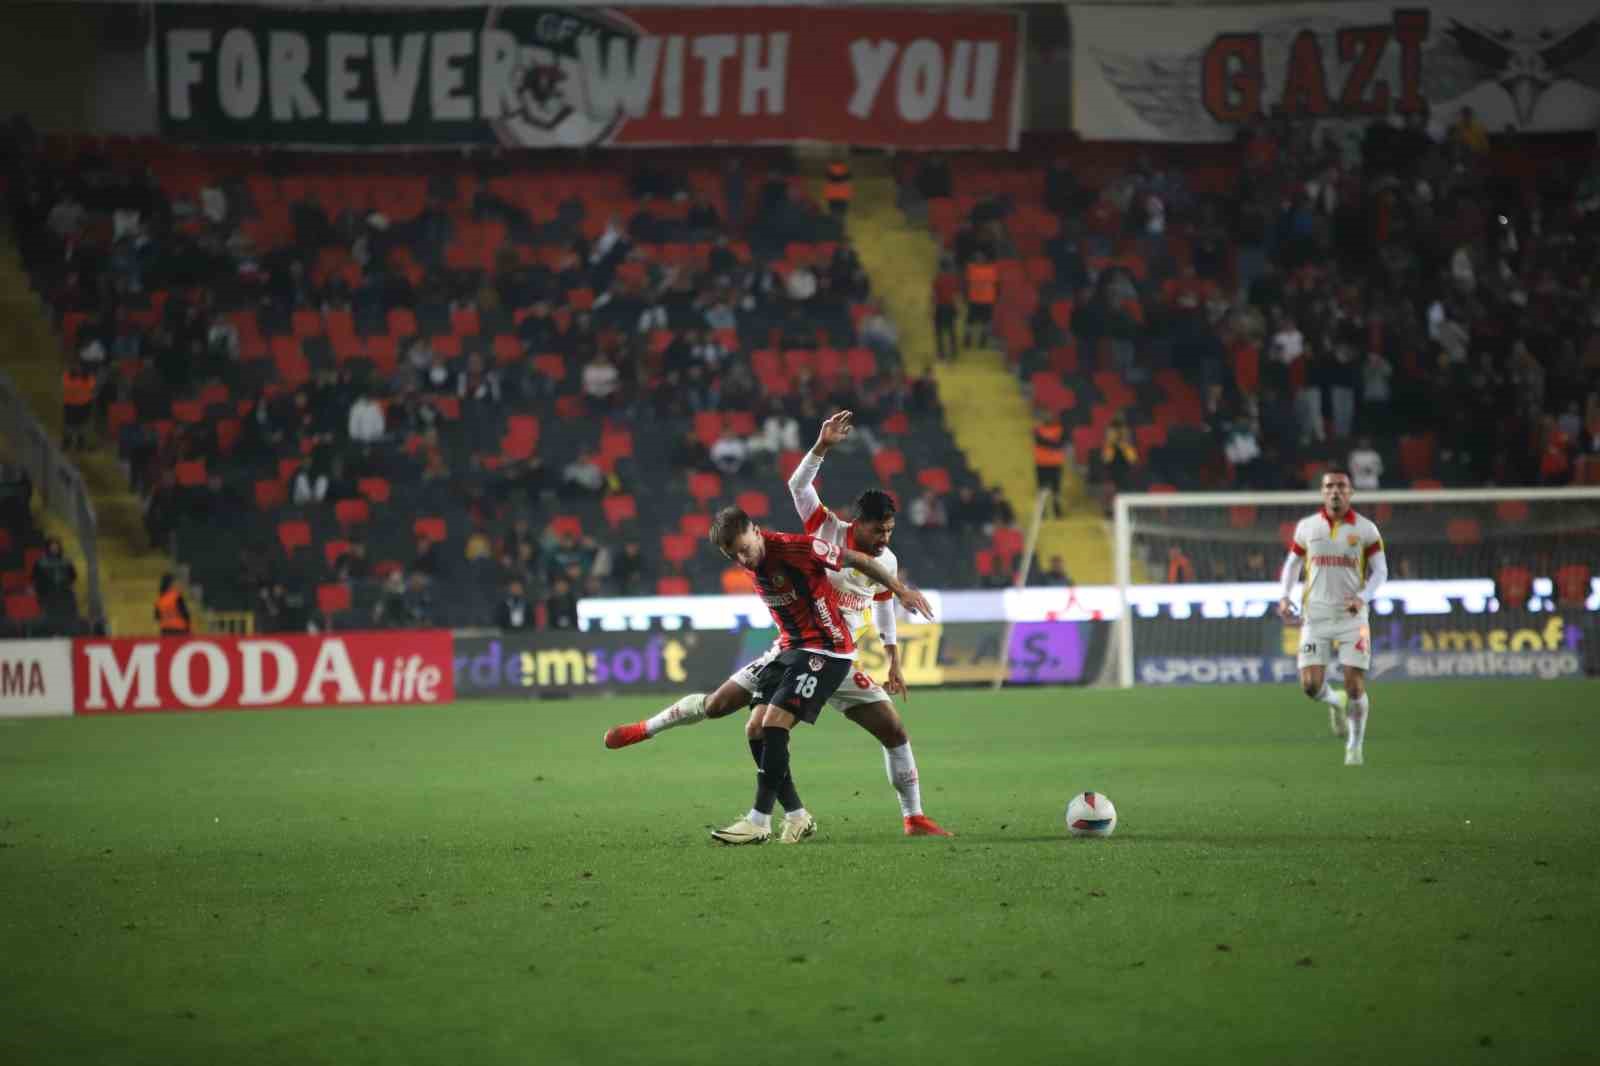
point(875, 505)
point(727, 526)
point(1335, 470)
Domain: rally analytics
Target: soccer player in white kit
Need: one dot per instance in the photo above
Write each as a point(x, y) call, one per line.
point(1342, 554)
point(860, 698)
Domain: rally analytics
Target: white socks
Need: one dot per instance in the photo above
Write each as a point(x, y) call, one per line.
point(902, 768)
point(1358, 722)
point(687, 711)
point(757, 818)
point(798, 814)
point(1329, 695)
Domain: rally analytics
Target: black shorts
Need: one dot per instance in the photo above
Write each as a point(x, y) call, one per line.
point(944, 315)
point(800, 682)
point(980, 312)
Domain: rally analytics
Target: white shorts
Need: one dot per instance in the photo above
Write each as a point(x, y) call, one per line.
point(858, 689)
point(1344, 643)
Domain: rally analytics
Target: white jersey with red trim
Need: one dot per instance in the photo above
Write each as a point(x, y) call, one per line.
point(856, 591)
point(1337, 556)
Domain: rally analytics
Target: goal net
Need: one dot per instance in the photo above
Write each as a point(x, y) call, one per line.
point(1482, 583)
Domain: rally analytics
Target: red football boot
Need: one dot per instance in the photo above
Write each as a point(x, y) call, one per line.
point(920, 825)
point(620, 736)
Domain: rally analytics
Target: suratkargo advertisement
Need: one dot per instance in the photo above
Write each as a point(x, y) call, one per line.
point(542, 77)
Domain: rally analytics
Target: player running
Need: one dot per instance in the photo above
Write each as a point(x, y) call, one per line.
point(1343, 557)
point(862, 700)
point(816, 651)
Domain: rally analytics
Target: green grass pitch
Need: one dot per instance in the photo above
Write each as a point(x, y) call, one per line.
point(484, 884)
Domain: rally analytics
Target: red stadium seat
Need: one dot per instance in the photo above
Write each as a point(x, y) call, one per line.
point(672, 586)
point(936, 478)
point(566, 525)
point(696, 524)
point(352, 513)
point(191, 473)
point(332, 549)
point(1007, 542)
point(678, 548)
point(705, 486)
point(22, 607)
point(375, 489)
point(620, 509)
point(432, 527)
point(754, 503)
point(888, 463)
point(270, 495)
point(333, 598)
point(294, 535)
point(1511, 511)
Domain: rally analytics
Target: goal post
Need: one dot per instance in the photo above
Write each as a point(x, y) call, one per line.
point(1506, 575)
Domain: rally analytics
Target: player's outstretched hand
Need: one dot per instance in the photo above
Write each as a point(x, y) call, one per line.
point(917, 603)
point(895, 683)
point(835, 429)
point(1286, 609)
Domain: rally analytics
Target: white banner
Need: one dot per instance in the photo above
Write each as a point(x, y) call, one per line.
point(35, 678)
point(1082, 603)
point(1199, 73)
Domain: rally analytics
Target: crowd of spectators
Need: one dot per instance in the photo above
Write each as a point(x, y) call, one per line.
point(571, 315)
point(1332, 293)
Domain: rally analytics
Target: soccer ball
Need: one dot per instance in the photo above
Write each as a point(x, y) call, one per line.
point(1089, 814)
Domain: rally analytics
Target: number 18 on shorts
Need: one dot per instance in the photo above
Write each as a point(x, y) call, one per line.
point(800, 682)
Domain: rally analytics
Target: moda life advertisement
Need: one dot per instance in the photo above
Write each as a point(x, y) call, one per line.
point(1201, 73)
point(543, 77)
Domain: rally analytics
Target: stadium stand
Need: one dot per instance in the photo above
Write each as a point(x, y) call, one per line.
point(330, 375)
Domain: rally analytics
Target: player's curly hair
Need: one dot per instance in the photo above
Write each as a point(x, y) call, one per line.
point(875, 505)
point(727, 526)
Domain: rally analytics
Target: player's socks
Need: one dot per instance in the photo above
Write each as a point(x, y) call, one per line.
point(774, 767)
point(687, 711)
point(1359, 709)
point(902, 769)
point(788, 793)
point(1331, 696)
point(755, 817)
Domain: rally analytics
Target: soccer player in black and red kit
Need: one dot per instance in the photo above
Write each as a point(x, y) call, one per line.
point(817, 648)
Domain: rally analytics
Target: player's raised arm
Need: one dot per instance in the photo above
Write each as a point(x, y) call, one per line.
point(806, 501)
point(913, 600)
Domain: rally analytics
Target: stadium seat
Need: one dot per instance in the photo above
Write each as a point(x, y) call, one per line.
point(333, 598)
point(616, 444)
point(1463, 532)
point(896, 425)
point(571, 408)
point(707, 427)
point(1511, 511)
point(1007, 542)
point(270, 495)
point(620, 509)
point(507, 349)
point(705, 486)
point(305, 323)
point(188, 412)
point(566, 524)
point(550, 367)
point(293, 535)
point(16, 581)
point(1416, 456)
point(402, 322)
point(22, 607)
point(696, 524)
point(754, 503)
point(352, 513)
point(191, 473)
point(332, 549)
point(431, 526)
point(375, 489)
point(983, 562)
point(228, 431)
point(936, 478)
point(889, 463)
point(672, 586)
point(1242, 517)
point(678, 548)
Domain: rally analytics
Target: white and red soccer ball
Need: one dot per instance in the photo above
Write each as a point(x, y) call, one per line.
point(1090, 814)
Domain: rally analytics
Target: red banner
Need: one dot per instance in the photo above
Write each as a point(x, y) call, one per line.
point(538, 77)
point(212, 673)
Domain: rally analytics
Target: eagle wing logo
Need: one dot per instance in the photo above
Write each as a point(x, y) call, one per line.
point(1163, 90)
point(1524, 65)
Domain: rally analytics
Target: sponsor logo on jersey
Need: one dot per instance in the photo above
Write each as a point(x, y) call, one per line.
point(815, 663)
point(1333, 560)
point(825, 615)
point(780, 599)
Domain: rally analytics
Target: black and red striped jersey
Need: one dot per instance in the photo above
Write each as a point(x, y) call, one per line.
point(792, 580)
